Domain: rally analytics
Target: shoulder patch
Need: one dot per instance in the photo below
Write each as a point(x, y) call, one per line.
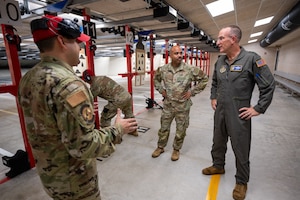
point(87, 113)
point(260, 62)
point(77, 98)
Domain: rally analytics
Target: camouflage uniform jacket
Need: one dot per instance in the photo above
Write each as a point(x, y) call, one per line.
point(178, 81)
point(59, 117)
point(109, 90)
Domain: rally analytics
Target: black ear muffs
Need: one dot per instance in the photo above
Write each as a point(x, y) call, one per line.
point(69, 29)
point(86, 76)
point(39, 24)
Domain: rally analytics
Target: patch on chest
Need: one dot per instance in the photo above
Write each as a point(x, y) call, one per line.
point(223, 69)
point(236, 68)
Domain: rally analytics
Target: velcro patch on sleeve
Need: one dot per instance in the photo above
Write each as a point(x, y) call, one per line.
point(260, 62)
point(76, 98)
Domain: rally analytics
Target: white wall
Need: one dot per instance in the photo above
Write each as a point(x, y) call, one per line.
point(112, 66)
point(288, 60)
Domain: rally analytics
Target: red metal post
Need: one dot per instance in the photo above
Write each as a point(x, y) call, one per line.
point(151, 67)
point(15, 71)
point(167, 52)
point(192, 55)
point(90, 66)
point(208, 64)
point(201, 60)
point(129, 73)
point(185, 54)
point(196, 57)
point(128, 61)
point(205, 62)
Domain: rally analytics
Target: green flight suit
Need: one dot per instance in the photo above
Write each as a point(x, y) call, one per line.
point(232, 86)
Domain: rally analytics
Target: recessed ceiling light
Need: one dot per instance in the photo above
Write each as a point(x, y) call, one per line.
point(251, 41)
point(220, 7)
point(256, 34)
point(263, 21)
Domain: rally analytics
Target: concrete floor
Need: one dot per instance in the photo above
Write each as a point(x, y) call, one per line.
point(132, 174)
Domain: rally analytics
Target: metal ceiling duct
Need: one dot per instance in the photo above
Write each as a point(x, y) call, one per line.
point(289, 23)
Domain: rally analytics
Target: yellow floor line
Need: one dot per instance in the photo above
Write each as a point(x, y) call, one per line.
point(212, 191)
point(8, 112)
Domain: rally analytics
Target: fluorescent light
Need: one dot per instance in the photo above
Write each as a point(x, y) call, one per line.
point(251, 41)
point(263, 21)
point(172, 11)
point(220, 7)
point(256, 34)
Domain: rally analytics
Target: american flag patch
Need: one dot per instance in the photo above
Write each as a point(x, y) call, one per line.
point(260, 62)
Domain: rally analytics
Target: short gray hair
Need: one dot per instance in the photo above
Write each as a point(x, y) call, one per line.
point(235, 30)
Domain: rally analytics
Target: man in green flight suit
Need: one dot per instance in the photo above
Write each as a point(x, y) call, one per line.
point(233, 81)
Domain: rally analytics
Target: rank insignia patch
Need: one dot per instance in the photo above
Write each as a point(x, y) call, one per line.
point(223, 69)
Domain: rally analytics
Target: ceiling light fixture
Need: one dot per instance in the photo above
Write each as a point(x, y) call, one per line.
point(256, 34)
point(251, 41)
point(263, 21)
point(220, 7)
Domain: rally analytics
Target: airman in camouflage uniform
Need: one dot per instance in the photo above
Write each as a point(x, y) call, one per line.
point(116, 95)
point(174, 82)
point(59, 115)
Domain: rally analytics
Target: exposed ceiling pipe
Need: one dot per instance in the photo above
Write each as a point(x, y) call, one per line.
point(288, 24)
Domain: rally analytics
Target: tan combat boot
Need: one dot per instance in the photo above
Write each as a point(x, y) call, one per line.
point(175, 155)
point(134, 133)
point(239, 192)
point(212, 170)
point(157, 152)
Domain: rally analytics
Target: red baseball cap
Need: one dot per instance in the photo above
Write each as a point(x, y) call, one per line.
point(50, 26)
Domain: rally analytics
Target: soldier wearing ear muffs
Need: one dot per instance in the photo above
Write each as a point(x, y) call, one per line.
point(59, 114)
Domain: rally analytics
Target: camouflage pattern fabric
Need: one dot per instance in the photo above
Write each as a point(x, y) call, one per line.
point(115, 94)
point(176, 82)
point(59, 117)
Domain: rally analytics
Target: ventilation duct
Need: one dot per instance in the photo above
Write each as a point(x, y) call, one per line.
point(287, 25)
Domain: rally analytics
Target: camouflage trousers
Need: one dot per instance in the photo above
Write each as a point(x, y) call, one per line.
point(110, 110)
point(171, 111)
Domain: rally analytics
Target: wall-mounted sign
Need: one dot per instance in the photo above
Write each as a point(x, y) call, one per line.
point(89, 28)
point(10, 12)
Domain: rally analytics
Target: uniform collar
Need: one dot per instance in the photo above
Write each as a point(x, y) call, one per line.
point(56, 61)
point(171, 68)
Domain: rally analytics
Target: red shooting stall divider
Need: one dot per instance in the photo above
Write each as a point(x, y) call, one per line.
point(11, 41)
point(90, 50)
point(129, 73)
